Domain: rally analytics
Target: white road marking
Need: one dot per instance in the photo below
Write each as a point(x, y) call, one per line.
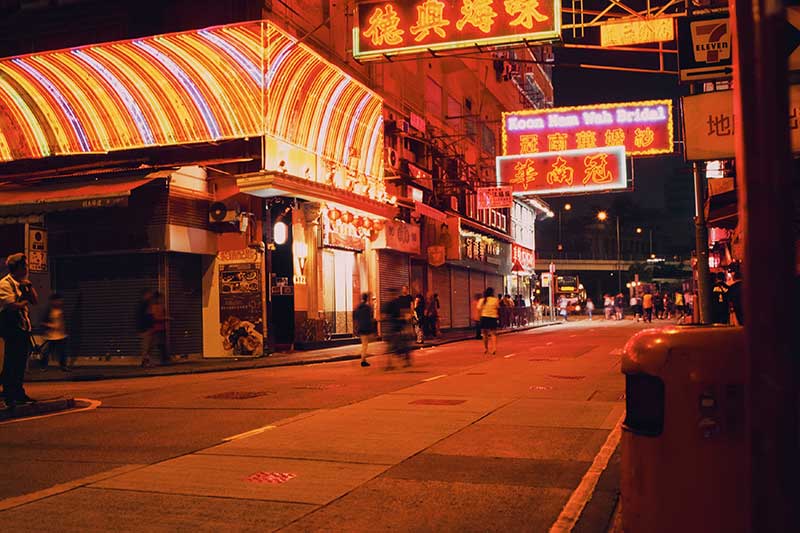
point(93, 404)
point(509, 356)
point(436, 377)
point(583, 493)
point(248, 433)
point(16, 501)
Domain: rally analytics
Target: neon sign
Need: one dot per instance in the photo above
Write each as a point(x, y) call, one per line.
point(643, 128)
point(564, 172)
point(391, 28)
point(638, 31)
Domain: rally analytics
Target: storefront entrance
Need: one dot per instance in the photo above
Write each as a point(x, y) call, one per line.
point(340, 289)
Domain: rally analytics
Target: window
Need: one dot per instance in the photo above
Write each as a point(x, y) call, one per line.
point(487, 139)
point(433, 98)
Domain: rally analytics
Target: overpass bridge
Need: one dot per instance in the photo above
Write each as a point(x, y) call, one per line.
point(604, 264)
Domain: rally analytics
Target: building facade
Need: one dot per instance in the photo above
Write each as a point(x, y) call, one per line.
point(251, 172)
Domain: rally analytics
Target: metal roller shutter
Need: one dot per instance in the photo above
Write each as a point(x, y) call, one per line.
point(476, 282)
point(496, 282)
point(101, 295)
point(441, 286)
point(392, 274)
point(461, 297)
point(185, 304)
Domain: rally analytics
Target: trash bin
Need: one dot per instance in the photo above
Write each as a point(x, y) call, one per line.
point(683, 441)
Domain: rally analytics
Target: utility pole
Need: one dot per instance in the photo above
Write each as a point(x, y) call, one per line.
point(764, 179)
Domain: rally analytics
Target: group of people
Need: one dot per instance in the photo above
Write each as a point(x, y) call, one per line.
point(663, 305)
point(614, 306)
point(425, 316)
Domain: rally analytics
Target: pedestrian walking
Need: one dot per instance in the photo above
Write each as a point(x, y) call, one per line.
point(364, 321)
point(688, 302)
point(658, 305)
point(490, 315)
point(647, 306)
point(432, 315)
point(418, 318)
point(55, 334)
point(735, 297)
point(720, 308)
point(619, 303)
point(589, 307)
point(562, 308)
point(16, 296)
point(608, 306)
point(396, 327)
point(680, 307)
point(476, 315)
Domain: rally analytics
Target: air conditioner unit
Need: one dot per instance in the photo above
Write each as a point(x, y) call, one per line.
point(392, 158)
point(219, 213)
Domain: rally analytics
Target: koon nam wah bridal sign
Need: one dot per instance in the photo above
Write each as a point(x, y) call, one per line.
point(643, 128)
point(401, 27)
point(566, 172)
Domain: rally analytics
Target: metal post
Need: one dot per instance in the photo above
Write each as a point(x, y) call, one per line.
point(764, 179)
point(619, 263)
point(703, 303)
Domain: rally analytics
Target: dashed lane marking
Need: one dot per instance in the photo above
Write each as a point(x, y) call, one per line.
point(580, 497)
point(248, 433)
point(435, 377)
point(509, 356)
point(93, 404)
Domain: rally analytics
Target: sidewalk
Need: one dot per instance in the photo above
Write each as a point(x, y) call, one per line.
point(197, 366)
point(38, 408)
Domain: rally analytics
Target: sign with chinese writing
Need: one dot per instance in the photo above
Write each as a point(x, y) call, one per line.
point(436, 255)
point(398, 236)
point(637, 31)
point(495, 197)
point(524, 256)
point(643, 128)
point(704, 48)
point(37, 249)
point(566, 172)
point(709, 124)
point(240, 308)
point(480, 248)
point(390, 28)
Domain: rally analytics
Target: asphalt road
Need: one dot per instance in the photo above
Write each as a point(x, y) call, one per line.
point(458, 442)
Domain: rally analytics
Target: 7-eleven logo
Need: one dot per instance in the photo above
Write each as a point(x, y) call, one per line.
point(711, 40)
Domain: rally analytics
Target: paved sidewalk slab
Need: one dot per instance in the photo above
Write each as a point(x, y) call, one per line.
point(314, 482)
point(557, 414)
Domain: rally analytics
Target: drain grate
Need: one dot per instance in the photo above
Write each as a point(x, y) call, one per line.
point(434, 401)
point(239, 395)
point(274, 478)
point(554, 376)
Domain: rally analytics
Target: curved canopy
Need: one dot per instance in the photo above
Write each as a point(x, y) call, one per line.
point(227, 82)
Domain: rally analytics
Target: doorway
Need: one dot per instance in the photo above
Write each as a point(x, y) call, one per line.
point(340, 288)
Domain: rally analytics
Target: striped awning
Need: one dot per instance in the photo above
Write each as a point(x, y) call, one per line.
point(227, 82)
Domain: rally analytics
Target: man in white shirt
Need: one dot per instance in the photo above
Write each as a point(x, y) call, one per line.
point(16, 296)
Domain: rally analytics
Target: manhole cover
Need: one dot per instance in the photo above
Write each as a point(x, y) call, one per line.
point(566, 377)
point(275, 478)
point(433, 401)
point(239, 395)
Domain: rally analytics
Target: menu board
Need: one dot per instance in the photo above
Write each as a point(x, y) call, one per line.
point(240, 308)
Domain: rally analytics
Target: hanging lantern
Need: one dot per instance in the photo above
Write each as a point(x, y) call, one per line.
point(347, 217)
point(334, 215)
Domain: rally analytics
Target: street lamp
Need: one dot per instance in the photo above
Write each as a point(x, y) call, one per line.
point(639, 230)
point(602, 216)
point(560, 244)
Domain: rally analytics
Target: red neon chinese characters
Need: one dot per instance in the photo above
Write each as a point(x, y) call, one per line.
point(644, 137)
point(524, 173)
point(595, 168)
point(561, 172)
point(479, 13)
point(384, 27)
point(526, 12)
point(430, 16)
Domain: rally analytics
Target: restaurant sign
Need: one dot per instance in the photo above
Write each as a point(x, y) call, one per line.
point(709, 124)
point(643, 128)
point(389, 28)
point(495, 198)
point(483, 249)
point(566, 172)
point(399, 236)
point(525, 257)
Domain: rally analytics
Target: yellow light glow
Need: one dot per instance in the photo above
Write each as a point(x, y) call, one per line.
point(639, 31)
point(602, 216)
point(567, 207)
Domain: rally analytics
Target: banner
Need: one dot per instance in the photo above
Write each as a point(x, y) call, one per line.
point(643, 128)
point(495, 198)
point(399, 237)
point(240, 308)
point(389, 28)
point(567, 172)
point(708, 124)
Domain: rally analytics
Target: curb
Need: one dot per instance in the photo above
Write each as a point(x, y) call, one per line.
point(177, 371)
point(36, 409)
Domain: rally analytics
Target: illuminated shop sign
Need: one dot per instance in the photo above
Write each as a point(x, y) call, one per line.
point(524, 256)
point(390, 28)
point(566, 172)
point(643, 128)
point(480, 248)
point(637, 31)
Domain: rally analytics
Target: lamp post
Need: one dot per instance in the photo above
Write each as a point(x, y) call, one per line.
point(639, 230)
point(560, 243)
point(602, 216)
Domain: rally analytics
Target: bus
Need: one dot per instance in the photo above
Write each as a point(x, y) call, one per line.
point(571, 288)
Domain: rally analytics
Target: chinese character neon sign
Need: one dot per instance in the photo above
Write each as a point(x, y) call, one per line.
point(565, 172)
point(643, 128)
point(394, 27)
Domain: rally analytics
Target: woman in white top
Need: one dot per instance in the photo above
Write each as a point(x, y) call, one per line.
point(490, 314)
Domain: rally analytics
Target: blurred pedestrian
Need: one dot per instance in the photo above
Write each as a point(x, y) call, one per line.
point(55, 333)
point(418, 318)
point(16, 296)
point(364, 321)
point(144, 325)
point(680, 306)
point(432, 315)
point(490, 315)
point(720, 308)
point(647, 306)
point(589, 307)
point(658, 305)
point(608, 306)
point(735, 297)
point(688, 302)
point(476, 315)
point(396, 327)
point(635, 308)
point(619, 303)
point(562, 308)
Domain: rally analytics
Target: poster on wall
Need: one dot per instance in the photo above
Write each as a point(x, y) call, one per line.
point(37, 249)
point(240, 310)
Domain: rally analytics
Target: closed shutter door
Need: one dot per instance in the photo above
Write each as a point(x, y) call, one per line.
point(461, 297)
point(101, 295)
point(496, 282)
point(440, 277)
point(185, 304)
point(392, 274)
point(476, 284)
